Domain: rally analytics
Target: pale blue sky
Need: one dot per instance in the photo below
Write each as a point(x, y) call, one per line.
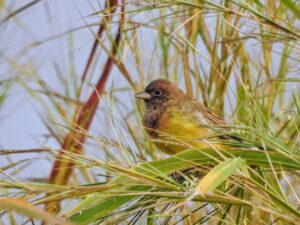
point(20, 124)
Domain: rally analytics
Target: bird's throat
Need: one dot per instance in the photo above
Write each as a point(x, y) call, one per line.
point(152, 119)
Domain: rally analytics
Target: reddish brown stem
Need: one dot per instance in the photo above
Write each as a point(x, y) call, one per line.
point(112, 6)
point(63, 167)
point(73, 141)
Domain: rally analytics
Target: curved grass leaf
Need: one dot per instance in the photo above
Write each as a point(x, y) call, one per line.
point(218, 175)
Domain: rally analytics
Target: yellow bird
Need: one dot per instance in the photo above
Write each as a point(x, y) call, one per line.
point(176, 122)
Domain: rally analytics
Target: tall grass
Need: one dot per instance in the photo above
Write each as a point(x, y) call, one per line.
point(240, 58)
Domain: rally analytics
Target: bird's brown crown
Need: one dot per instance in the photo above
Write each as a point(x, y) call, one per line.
point(160, 94)
point(163, 88)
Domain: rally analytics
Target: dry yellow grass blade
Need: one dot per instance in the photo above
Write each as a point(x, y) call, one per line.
point(26, 209)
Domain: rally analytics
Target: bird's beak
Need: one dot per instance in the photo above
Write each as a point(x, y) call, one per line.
point(143, 95)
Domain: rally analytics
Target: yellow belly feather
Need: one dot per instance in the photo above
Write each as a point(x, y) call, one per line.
point(178, 132)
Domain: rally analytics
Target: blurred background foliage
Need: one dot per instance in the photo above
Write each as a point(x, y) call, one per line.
point(91, 162)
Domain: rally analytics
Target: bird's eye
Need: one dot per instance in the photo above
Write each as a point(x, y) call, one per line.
point(157, 92)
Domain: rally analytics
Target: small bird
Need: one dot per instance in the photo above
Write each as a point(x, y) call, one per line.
point(176, 122)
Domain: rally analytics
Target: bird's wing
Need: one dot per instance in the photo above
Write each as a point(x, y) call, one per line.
point(204, 117)
point(201, 114)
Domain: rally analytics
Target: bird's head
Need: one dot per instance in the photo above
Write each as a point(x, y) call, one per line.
point(160, 93)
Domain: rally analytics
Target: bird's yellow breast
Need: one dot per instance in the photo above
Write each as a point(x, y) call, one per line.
point(178, 131)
